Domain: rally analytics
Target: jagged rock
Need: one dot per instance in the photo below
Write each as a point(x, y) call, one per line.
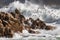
point(8, 32)
point(38, 24)
point(16, 22)
point(49, 27)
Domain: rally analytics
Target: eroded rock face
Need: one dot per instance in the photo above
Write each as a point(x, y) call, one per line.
point(49, 27)
point(15, 22)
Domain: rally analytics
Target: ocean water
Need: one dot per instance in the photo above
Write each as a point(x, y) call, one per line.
point(49, 15)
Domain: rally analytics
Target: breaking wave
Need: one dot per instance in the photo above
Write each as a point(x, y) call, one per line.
point(35, 11)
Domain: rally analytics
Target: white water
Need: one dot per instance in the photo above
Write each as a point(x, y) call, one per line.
point(49, 15)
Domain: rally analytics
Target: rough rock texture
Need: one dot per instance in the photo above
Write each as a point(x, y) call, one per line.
point(15, 22)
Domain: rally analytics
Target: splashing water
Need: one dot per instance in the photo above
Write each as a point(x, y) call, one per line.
point(32, 10)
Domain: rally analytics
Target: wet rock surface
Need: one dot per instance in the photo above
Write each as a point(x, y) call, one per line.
point(14, 22)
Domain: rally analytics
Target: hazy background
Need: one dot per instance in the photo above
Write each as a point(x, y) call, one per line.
point(52, 3)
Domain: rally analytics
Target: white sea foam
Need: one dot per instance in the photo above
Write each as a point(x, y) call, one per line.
point(35, 11)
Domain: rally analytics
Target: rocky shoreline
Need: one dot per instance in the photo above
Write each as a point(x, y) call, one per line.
point(15, 22)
